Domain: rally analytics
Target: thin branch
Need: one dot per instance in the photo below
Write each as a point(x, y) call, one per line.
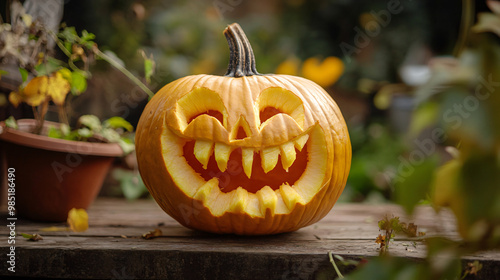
point(59, 44)
point(63, 117)
point(109, 60)
point(465, 25)
point(124, 71)
point(41, 116)
point(335, 265)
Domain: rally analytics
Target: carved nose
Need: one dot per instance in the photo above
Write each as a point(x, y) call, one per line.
point(241, 130)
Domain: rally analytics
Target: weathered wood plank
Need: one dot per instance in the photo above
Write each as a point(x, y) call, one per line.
point(349, 230)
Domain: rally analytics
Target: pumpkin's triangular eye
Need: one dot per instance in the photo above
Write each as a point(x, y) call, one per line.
point(200, 101)
point(275, 100)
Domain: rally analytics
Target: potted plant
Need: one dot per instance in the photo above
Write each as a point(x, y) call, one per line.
point(55, 168)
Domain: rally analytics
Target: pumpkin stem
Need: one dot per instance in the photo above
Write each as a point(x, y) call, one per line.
point(241, 57)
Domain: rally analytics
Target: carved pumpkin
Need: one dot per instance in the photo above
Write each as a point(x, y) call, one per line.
point(244, 153)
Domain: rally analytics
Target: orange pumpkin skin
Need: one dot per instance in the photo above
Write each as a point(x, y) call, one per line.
point(185, 191)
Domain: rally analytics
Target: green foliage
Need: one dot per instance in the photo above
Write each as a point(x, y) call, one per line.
point(90, 121)
point(149, 67)
point(410, 191)
point(480, 185)
point(11, 122)
point(391, 227)
point(78, 83)
point(131, 183)
point(69, 35)
point(375, 156)
point(390, 268)
point(424, 116)
point(113, 130)
point(117, 123)
point(462, 98)
point(48, 67)
point(24, 74)
point(87, 37)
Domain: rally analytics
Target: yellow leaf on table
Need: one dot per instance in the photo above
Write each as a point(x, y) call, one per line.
point(78, 220)
point(49, 229)
point(324, 73)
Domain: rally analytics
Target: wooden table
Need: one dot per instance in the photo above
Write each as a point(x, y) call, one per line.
point(112, 248)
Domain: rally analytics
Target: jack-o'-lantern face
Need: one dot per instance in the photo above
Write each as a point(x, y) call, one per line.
point(245, 154)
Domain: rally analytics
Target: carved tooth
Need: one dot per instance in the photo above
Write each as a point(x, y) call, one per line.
point(208, 191)
point(269, 158)
point(268, 199)
point(202, 151)
point(247, 160)
point(290, 196)
point(222, 153)
point(239, 200)
point(301, 141)
point(288, 155)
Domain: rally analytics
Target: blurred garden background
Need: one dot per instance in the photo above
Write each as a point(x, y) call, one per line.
point(416, 81)
point(369, 55)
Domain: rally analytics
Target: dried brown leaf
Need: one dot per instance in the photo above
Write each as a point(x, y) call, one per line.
point(152, 234)
point(32, 237)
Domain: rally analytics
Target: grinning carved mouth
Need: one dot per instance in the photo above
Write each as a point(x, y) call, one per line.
point(248, 180)
point(248, 168)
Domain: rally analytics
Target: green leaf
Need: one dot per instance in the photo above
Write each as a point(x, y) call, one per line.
point(425, 115)
point(396, 225)
point(133, 188)
point(60, 133)
point(69, 34)
point(91, 122)
point(89, 45)
point(10, 122)
point(32, 237)
point(480, 185)
point(126, 146)
point(78, 83)
point(382, 224)
point(131, 183)
point(68, 46)
point(466, 118)
point(65, 129)
point(55, 133)
point(73, 135)
point(118, 122)
point(86, 36)
point(110, 134)
point(416, 185)
point(148, 69)
point(85, 132)
point(48, 67)
point(24, 74)
point(25, 235)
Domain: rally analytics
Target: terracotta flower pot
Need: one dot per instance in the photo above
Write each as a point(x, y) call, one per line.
point(53, 175)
